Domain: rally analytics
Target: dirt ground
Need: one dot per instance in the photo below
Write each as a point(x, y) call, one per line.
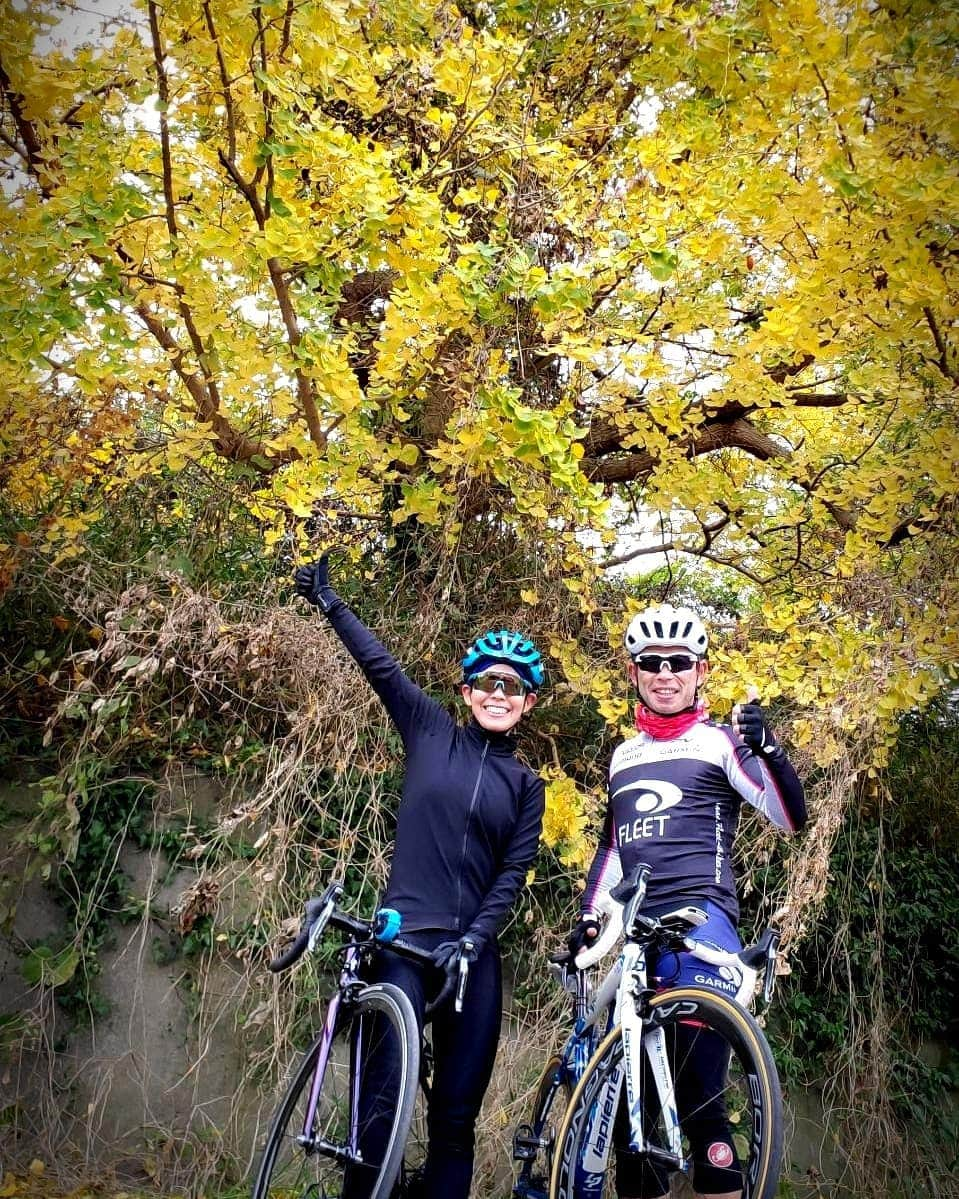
point(34, 1183)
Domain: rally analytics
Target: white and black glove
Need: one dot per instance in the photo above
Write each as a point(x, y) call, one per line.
point(749, 722)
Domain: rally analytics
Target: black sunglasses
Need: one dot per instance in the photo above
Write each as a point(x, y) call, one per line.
point(488, 681)
point(677, 663)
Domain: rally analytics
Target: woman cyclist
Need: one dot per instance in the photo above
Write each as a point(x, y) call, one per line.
point(675, 792)
point(467, 831)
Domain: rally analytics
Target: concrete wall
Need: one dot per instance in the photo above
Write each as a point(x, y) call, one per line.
point(151, 1087)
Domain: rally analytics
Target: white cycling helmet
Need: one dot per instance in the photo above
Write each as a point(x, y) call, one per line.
point(662, 624)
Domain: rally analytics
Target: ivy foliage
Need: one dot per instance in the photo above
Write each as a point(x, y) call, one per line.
point(868, 1011)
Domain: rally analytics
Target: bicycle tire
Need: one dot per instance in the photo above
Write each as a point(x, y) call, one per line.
point(287, 1167)
point(534, 1176)
point(409, 1180)
point(750, 1097)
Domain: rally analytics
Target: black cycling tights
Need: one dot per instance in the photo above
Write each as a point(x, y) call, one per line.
point(464, 1049)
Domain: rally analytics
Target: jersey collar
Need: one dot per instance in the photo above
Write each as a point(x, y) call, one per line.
point(499, 743)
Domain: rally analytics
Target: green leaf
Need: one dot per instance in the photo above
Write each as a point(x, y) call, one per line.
point(662, 264)
point(49, 968)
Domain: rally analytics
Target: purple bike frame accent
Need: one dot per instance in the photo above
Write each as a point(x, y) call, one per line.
point(349, 967)
point(356, 1073)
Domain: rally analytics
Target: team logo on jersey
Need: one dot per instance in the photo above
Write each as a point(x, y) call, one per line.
point(654, 796)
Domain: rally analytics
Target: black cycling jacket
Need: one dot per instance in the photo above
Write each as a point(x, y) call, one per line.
point(469, 823)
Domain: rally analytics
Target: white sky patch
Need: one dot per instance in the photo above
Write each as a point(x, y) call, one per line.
point(88, 23)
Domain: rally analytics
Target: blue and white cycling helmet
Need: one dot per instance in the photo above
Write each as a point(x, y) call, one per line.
point(505, 645)
point(662, 624)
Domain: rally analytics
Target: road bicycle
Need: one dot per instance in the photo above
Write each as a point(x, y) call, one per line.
point(533, 1142)
point(319, 1141)
point(650, 1046)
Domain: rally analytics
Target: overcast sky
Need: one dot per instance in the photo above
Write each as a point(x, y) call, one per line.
point(84, 21)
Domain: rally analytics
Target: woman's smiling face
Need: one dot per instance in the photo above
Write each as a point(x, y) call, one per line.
point(493, 709)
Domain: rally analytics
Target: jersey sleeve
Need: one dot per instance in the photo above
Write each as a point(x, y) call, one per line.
point(408, 705)
point(606, 870)
point(519, 856)
point(767, 781)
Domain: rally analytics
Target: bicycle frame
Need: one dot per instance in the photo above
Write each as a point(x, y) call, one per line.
point(319, 913)
point(629, 976)
point(626, 986)
point(348, 977)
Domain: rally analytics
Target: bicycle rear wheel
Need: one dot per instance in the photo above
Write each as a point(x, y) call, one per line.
point(725, 1089)
point(354, 1143)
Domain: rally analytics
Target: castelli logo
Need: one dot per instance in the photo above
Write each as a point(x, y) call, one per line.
point(720, 1155)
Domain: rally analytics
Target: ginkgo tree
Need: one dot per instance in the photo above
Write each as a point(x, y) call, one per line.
point(617, 279)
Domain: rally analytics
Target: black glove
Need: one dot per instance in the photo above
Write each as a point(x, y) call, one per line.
point(750, 723)
point(448, 953)
point(313, 583)
point(584, 934)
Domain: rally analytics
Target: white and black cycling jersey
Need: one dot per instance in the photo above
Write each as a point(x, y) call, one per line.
point(674, 804)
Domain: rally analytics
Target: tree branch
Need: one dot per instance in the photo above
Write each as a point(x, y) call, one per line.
point(914, 525)
point(163, 91)
point(942, 347)
point(115, 85)
point(734, 434)
point(230, 442)
point(224, 84)
point(709, 532)
point(32, 150)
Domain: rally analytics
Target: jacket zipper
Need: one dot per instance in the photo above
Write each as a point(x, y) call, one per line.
point(466, 837)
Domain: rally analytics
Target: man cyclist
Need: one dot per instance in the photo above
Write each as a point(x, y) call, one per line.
point(467, 830)
point(675, 792)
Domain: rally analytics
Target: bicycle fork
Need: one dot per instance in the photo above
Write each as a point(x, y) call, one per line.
point(644, 1050)
point(307, 1138)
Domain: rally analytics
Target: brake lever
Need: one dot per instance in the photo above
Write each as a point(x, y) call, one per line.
point(769, 977)
point(464, 966)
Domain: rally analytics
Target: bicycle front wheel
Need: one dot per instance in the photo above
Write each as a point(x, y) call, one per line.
point(533, 1143)
point(724, 1088)
point(347, 1139)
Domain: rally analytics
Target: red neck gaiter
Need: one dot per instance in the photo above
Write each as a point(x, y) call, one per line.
point(666, 728)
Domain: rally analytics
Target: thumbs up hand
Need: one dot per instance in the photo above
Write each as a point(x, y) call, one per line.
point(750, 723)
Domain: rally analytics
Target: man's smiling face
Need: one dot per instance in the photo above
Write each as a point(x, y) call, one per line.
point(665, 691)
